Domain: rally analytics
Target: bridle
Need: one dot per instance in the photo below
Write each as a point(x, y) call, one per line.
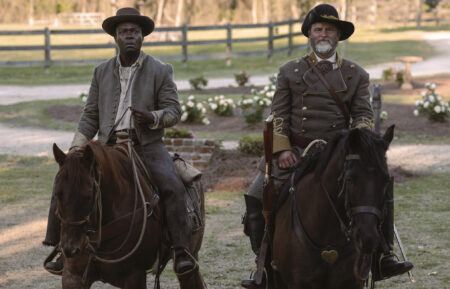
point(92, 246)
point(86, 219)
point(351, 211)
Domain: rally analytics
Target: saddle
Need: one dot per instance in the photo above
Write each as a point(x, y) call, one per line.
point(191, 180)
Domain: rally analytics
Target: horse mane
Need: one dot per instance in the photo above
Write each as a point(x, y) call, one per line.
point(113, 164)
point(370, 146)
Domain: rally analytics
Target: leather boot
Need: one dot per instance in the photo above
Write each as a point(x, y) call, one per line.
point(254, 224)
point(389, 265)
point(52, 235)
point(52, 238)
point(182, 261)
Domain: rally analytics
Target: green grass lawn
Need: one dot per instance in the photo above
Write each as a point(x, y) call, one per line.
point(35, 114)
point(422, 209)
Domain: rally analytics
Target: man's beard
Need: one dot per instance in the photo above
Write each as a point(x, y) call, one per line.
point(323, 47)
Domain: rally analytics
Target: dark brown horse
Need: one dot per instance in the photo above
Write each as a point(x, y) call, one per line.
point(107, 233)
point(329, 228)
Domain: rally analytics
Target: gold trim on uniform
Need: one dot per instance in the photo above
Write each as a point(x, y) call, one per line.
point(364, 122)
point(278, 124)
point(281, 143)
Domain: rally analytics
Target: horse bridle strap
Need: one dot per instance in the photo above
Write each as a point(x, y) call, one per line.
point(366, 210)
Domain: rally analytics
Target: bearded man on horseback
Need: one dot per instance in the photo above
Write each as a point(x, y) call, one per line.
point(135, 93)
point(316, 96)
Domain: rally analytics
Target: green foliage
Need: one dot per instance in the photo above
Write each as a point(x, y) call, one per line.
point(253, 145)
point(241, 78)
point(198, 83)
point(388, 74)
point(178, 133)
point(193, 111)
point(253, 106)
point(221, 106)
point(399, 77)
point(432, 105)
point(383, 116)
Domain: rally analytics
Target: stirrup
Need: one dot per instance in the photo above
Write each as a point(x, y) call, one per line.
point(56, 250)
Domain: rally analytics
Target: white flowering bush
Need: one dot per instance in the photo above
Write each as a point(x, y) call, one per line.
point(193, 111)
point(253, 106)
point(432, 105)
point(221, 105)
point(83, 96)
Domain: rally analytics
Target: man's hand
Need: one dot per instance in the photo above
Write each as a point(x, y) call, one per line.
point(142, 117)
point(286, 159)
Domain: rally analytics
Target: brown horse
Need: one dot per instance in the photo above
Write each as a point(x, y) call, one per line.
point(328, 230)
point(107, 233)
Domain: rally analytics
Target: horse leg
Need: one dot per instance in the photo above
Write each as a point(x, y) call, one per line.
point(136, 280)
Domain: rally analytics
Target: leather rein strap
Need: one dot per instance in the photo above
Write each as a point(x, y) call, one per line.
point(330, 89)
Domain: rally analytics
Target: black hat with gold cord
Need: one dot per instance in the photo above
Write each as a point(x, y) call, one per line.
point(327, 13)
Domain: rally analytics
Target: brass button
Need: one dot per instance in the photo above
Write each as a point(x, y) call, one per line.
point(349, 76)
point(303, 130)
point(297, 61)
point(304, 108)
point(304, 118)
point(352, 66)
point(333, 125)
point(296, 70)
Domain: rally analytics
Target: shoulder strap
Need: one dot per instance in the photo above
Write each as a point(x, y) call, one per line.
point(330, 89)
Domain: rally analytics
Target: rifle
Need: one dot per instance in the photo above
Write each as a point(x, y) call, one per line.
point(269, 196)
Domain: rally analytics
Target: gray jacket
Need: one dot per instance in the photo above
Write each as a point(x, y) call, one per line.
point(153, 89)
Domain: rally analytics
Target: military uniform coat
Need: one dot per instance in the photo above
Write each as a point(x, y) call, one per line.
point(303, 105)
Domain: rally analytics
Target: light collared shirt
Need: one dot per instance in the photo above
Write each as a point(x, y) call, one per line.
point(126, 74)
point(331, 59)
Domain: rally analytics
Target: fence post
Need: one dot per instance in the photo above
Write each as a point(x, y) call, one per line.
point(47, 49)
point(290, 42)
point(376, 106)
point(270, 43)
point(184, 44)
point(229, 45)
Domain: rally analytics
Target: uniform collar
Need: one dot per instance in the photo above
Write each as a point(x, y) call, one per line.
point(335, 58)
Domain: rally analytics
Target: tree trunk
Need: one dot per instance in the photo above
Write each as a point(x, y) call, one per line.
point(255, 11)
point(160, 12)
point(179, 13)
point(266, 7)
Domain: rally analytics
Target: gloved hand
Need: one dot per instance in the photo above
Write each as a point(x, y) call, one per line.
point(143, 117)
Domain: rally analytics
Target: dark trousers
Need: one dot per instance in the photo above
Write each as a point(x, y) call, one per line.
point(171, 190)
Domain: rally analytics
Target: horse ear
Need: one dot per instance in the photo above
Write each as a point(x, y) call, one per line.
point(389, 134)
point(88, 156)
point(59, 155)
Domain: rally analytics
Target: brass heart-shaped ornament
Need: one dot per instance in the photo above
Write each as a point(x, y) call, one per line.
point(329, 256)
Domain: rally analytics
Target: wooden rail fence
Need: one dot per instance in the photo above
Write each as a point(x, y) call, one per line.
point(184, 42)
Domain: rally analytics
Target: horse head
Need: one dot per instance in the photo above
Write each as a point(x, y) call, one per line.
point(365, 179)
point(76, 192)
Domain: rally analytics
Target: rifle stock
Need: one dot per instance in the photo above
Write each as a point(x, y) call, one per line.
point(269, 195)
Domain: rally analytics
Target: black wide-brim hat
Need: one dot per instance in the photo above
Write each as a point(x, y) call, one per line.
point(327, 13)
point(128, 14)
